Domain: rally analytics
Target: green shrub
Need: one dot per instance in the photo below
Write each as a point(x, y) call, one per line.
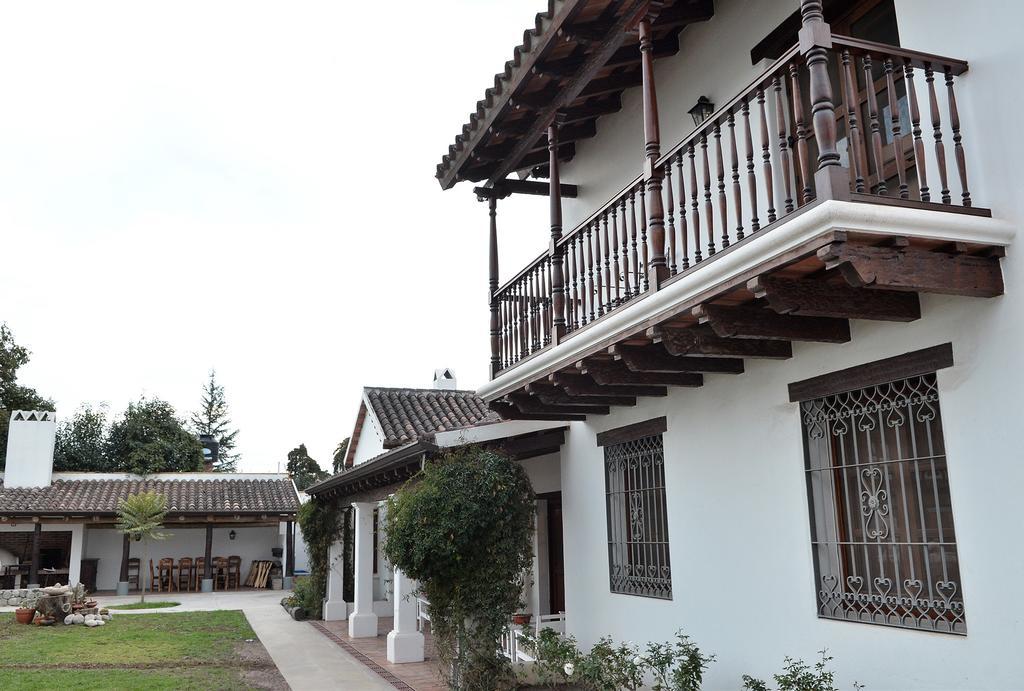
point(797, 675)
point(320, 523)
point(463, 529)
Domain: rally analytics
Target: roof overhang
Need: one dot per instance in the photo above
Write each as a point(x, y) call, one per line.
point(576, 61)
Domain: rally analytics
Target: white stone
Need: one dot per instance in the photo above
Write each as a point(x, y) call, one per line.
point(69, 619)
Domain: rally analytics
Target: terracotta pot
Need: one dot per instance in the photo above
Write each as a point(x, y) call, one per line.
point(521, 619)
point(24, 615)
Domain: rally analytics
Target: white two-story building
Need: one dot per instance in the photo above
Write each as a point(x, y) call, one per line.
point(778, 307)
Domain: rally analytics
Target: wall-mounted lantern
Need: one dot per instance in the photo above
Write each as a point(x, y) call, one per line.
point(702, 110)
point(231, 535)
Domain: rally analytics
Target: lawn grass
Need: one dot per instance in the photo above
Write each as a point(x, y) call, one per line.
point(199, 678)
point(146, 605)
point(127, 640)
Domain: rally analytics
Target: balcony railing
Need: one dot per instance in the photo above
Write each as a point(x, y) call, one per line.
point(750, 166)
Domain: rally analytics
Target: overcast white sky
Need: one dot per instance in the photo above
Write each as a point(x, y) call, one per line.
point(248, 186)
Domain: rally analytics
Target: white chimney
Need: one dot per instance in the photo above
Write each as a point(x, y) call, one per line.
point(444, 379)
point(30, 441)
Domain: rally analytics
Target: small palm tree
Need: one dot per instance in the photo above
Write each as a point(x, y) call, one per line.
point(140, 517)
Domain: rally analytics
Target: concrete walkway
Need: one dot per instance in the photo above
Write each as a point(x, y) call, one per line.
point(306, 658)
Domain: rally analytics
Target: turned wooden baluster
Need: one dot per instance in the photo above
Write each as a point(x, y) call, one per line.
point(708, 206)
point(615, 257)
point(514, 303)
point(601, 258)
point(591, 295)
point(940, 149)
point(748, 140)
point(815, 38)
point(624, 234)
point(855, 145)
point(634, 255)
point(920, 164)
point(806, 191)
point(722, 211)
point(897, 138)
point(785, 160)
point(684, 232)
point(734, 159)
point(876, 134)
point(548, 300)
point(537, 307)
point(529, 281)
point(694, 206)
point(766, 156)
point(670, 223)
point(644, 246)
point(958, 149)
point(502, 318)
point(569, 250)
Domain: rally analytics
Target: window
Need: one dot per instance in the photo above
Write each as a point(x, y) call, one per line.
point(638, 549)
point(881, 519)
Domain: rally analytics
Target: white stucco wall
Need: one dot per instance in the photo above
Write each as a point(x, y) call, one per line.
point(543, 472)
point(743, 578)
point(371, 441)
point(249, 544)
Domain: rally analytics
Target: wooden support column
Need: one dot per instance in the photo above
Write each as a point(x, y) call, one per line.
point(289, 545)
point(555, 197)
point(652, 152)
point(492, 286)
point(207, 585)
point(33, 570)
point(831, 180)
point(126, 551)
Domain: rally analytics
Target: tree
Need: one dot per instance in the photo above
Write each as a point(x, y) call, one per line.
point(464, 531)
point(140, 517)
point(82, 441)
point(212, 418)
point(149, 438)
point(13, 396)
point(304, 470)
point(339, 455)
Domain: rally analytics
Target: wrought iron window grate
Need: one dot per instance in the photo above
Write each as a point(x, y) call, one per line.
point(881, 519)
point(638, 549)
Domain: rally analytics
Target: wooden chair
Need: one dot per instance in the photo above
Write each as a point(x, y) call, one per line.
point(134, 569)
point(166, 573)
point(234, 572)
point(185, 575)
point(220, 573)
point(154, 582)
point(200, 571)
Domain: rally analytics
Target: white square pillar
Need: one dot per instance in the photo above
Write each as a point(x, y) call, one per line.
point(405, 643)
point(75, 560)
point(363, 622)
point(335, 607)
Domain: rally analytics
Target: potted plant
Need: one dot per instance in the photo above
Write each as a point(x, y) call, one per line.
point(522, 619)
point(26, 612)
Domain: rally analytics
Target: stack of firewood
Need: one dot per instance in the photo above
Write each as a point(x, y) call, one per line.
point(259, 574)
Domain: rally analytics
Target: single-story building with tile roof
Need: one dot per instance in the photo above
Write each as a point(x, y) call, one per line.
point(397, 431)
point(61, 527)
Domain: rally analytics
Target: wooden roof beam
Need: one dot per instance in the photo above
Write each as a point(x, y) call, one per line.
point(751, 321)
point(508, 186)
point(816, 298)
point(610, 372)
point(613, 39)
point(508, 411)
point(683, 13)
point(701, 340)
point(552, 395)
point(576, 384)
point(654, 358)
point(531, 404)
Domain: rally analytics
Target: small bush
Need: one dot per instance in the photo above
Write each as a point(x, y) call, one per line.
point(797, 675)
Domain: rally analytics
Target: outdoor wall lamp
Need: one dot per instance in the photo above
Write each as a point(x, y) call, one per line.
point(138, 537)
point(231, 535)
point(702, 110)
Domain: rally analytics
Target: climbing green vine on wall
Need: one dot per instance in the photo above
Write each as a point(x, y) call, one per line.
point(463, 529)
point(322, 523)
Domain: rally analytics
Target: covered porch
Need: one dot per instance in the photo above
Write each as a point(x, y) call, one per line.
point(381, 595)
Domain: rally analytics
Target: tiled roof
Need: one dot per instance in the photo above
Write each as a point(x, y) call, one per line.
point(232, 495)
point(405, 415)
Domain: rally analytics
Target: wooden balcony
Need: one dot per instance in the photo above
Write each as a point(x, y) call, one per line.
point(833, 187)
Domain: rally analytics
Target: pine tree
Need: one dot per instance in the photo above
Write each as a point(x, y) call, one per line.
point(212, 418)
point(339, 455)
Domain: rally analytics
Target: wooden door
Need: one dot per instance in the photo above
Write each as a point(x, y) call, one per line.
point(556, 559)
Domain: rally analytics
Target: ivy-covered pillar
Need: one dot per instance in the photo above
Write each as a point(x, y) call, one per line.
point(383, 567)
point(363, 622)
point(335, 607)
point(405, 642)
